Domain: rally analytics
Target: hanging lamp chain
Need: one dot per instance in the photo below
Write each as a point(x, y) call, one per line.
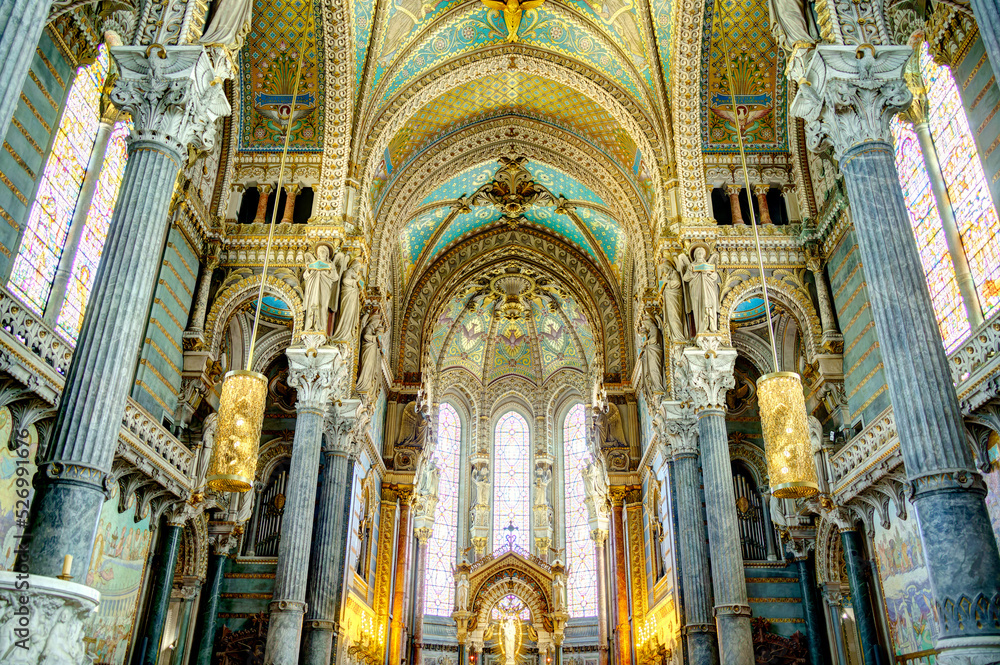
point(746, 180)
point(274, 212)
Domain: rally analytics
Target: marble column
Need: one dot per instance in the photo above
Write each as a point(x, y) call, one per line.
point(681, 429)
point(264, 191)
point(330, 539)
point(917, 114)
point(734, 204)
point(291, 192)
point(623, 632)
point(171, 104)
point(397, 627)
point(209, 263)
point(21, 25)
point(314, 374)
point(812, 612)
point(861, 594)
point(710, 376)
point(831, 339)
point(765, 495)
point(64, 272)
point(851, 97)
point(208, 606)
point(791, 203)
point(760, 191)
point(835, 607)
point(422, 535)
point(462, 660)
point(600, 538)
point(163, 582)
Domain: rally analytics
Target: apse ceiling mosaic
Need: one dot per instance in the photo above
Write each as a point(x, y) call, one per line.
point(760, 87)
point(278, 30)
point(482, 340)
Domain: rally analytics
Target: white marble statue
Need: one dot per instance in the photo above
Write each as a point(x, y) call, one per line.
point(651, 350)
point(230, 23)
point(792, 24)
point(673, 303)
point(508, 633)
point(371, 329)
point(462, 592)
point(320, 278)
point(558, 593)
point(430, 477)
point(595, 482)
point(543, 476)
point(702, 288)
point(204, 455)
point(349, 305)
point(481, 476)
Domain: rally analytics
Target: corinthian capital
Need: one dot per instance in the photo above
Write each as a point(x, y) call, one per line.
point(710, 375)
point(680, 427)
point(316, 374)
point(848, 95)
point(172, 94)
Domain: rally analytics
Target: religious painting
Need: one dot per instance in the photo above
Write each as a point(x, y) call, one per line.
point(905, 583)
point(116, 570)
point(13, 485)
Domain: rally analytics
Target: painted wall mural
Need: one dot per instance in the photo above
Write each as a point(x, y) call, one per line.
point(13, 484)
point(759, 83)
point(905, 584)
point(116, 570)
point(267, 77)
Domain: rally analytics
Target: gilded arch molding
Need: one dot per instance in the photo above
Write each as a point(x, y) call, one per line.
point(795, 300)
point(486, 62)
point(232, 297)
point(538, 142)
point(536, 247)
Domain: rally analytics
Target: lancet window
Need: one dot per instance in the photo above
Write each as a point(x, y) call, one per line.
point(581, 586)
point(59, 195)
point(510, 480)
point(970, 200)
point(442, 545)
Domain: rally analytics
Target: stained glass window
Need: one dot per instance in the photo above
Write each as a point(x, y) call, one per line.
point(510, 480)
point(581, 585)
point(58, 193)
point(442, 545)
point(963, 173)
point(926, 223)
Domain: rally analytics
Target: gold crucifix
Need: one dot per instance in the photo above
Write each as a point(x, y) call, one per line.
point(512, 11)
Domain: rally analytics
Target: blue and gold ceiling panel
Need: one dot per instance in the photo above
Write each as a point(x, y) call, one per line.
point(462, 224)
point(267, 77)
point(463, 184)
point(561, 184)
point(512, 352)
point(562, 226)
point(362, 12)
point(759, 84)
point(415, 236)
point(467, 340)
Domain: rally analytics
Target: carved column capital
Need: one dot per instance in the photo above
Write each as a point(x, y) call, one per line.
point(680, 427)
point(849, 95)
point(317, 376)
point(341, 427)
point(710, 375)
point(172, 94)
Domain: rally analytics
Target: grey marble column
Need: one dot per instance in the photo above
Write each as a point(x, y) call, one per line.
point(710, 376)
point(851, 97)
point(169, 105)
point(210, 263)
point(329, 545)
point(208, 606)
point(600, 538)
point(831, 338)
point(812, 612)
point(21, 25)
point(163, 582)
point(861, 594)
point(60, 282)
point(313, 374)
point(681, 429)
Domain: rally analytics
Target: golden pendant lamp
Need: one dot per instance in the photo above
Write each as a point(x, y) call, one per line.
point(241, 404)
point(790, 465)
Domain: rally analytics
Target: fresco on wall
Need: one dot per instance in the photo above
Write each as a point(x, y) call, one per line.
point(10, 485)
point(116, 570)
point(905, 584)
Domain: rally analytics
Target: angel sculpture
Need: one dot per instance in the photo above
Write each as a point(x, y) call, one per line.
point(512, 11)
point(702, 288)
point(371, 328)
point(320, 283)
point(673, 302)
point(349, 304)
point(651, 345)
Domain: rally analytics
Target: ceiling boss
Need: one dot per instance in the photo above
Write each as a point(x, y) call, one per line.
point(512, 11)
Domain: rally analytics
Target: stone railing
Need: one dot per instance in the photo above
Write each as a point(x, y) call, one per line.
point(38, 358)
point(974, 365)
point(866, 458)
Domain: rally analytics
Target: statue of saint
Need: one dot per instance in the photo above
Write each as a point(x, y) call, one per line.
point(558, 593)
point(702, 288)
point(349, 306)
point(318, 282)
point(651, 350)
point(792, 24)
point(368, 367)
point(481, 476)
point(462, 592)
point(508, 633)
point(512, 11)
point(230, 23)
point(543, 476)
point(204, 456)
point(673, 303)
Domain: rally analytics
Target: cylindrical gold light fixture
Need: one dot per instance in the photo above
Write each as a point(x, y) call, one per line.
point(790, 462)
point(241, 416)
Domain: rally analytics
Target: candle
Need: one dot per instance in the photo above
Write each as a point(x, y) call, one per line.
point(67, 564)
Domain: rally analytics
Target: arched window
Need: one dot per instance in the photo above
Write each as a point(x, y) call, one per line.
point(269, 509)
point(975, 215)
point(58, 196)
point(442, 545)
point(750, 510)
point(510, 480)
point(581, 587)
